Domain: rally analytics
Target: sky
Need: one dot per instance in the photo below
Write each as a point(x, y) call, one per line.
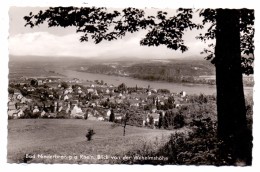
point(44, 41)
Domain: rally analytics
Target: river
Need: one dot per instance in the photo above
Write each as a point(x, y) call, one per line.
point(131, 82)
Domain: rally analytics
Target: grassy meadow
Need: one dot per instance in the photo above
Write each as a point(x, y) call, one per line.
point(30, 139)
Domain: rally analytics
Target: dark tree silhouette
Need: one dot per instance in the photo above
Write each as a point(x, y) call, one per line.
point(112, 116)
point(64, 85)
point(34, 82)
point(125, 120)
point(160, 122)
point(122, 87)
point(232, 29)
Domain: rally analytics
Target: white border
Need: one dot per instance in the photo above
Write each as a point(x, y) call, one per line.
point(115, 3)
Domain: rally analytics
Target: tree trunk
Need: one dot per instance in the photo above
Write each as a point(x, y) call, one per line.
point(232, 126)
point(124, 129)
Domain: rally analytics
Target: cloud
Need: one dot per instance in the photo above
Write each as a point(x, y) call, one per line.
point(47, 44)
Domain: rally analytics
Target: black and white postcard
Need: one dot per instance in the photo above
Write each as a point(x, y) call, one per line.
point(127, 84)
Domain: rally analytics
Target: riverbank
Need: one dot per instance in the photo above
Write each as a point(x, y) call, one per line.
point(189, 88)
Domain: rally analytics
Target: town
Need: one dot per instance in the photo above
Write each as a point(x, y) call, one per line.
point(50, 97)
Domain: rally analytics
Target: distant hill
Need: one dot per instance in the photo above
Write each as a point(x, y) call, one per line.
point(172, 70)
point(155, 70)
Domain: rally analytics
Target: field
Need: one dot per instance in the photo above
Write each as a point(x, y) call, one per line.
point(65, 138)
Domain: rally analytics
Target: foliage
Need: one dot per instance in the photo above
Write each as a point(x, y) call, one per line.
point(29, 114)
point(246, 39)
point(136, 119)
point(64, 85)
point(151, 121)
point(200, 147)
point(160, 124)
point(122, 87)
point(172, 120)
point(202, 98)
point(62, 115)
point(178, 121)
point(34, 82)
point(24, 92)
point(164, 91)
point(10, 90)
point(90, 134)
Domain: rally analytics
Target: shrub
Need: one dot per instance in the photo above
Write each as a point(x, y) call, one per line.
point(62, 115)
point(90, 134)
point(200, 147)
point(178, 121)
point(64, 85)
point(35, 115)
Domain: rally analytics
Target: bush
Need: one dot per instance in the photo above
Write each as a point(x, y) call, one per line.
point(178, 121)
point(62, 115)
point(135, 119)
point(64, 85)
point(90, 134)
point(200, 147)
point(35, 115)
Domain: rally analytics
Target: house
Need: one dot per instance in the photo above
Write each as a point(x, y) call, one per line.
point(15, 113)
point(153, 91)
point(162, 103)
point(20, 113)
point(90, 90)
point(155, 117)
point(36, 109)
point(108, 113)
point(60, 108)
point(76, 112)
point(118, 116)
point(66, 92)
point(25, 100)
point(70, 90)
point(11, 106)
point(134, 103)
point(100, 118)
point(183, 94)
point(19, 105)
point(92, 104)
point(119, 101)
point(11, 113)
point(154, 108)
point(19, 96)
point(43, 113)
point(95, 93)
point(40, 82)
point(66, 97)
point(52, 115)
